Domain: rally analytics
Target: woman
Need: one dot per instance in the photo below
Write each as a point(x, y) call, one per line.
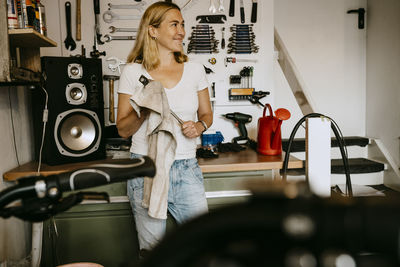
point(158, 55)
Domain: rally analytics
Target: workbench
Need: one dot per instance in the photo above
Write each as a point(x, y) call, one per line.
point(246, 160)
point(105, 232)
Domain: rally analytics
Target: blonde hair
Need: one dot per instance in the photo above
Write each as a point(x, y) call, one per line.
point(145, 50)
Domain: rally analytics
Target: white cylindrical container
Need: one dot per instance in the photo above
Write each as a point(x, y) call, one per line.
point(42, 19)
point(12, 14)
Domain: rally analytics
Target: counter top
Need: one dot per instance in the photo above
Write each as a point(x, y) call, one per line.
point(246, 160)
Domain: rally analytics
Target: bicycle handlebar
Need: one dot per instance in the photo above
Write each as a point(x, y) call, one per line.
point(53, 186)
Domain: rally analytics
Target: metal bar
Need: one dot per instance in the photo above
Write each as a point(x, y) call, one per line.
point(176, 117)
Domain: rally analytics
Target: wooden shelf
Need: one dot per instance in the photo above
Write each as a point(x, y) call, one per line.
point(29, 38)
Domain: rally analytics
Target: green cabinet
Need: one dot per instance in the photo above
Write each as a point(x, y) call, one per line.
point(101, 233)
point(105, 232)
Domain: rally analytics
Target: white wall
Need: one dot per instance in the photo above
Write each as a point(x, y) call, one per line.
point(329, 52)
point(14, 107)
point(383, 74)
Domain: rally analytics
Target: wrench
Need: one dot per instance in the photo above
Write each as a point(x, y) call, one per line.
point(69, 41)
point(110, 16)
point(212, 8)
point(221, 7)
point(110, 38)
point(96, 8)
point(138, 6)
point(114, 29)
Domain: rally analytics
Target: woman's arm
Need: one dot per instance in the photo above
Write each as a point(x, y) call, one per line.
point(204, 113)
point(128, 121)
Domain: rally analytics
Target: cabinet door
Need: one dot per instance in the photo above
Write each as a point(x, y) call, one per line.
point(101, 233)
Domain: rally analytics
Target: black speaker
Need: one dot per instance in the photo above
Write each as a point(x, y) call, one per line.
point(75, 119)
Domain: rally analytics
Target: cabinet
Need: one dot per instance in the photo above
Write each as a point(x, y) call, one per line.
point(105, 232)
point(21, 61)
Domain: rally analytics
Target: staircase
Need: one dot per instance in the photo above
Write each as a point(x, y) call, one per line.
point(370, 161)
point(363, 171)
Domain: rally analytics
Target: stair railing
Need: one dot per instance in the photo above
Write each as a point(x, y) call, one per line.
point(292, 75)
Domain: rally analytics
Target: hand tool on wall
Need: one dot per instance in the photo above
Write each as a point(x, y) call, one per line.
point(110, 16)
point(223, 38)
point(212, 61)
point(242, 18)
point(208, 70)
point(212, 7)
point(242, 40)
point(240, 120)
point(202, 40)
point(111, 79)
point(115, 29)
point(69, 41)
point(248, 27)
point(212, 96)
point(96, 7)
point(83, 51)
point(109, 38)
point(254, 11)
point(242, 51)
point(202, 51)
point(257, 95)
point(185, 5)
point(95, 53)
point(78, 20)
point(361, 13)
point(232, 8)
point(234, 60)
point(221, 7)
point(211, 19)
point(138, 6)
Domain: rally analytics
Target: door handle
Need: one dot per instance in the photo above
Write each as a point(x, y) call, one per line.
point(361, 15)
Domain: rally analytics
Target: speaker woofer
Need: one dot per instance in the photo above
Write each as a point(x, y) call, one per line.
point(77, 132)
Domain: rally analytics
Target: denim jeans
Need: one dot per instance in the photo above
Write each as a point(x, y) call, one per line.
point(186, 200)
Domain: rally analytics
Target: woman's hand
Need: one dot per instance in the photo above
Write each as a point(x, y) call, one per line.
point(192, 129)
point(128, 121)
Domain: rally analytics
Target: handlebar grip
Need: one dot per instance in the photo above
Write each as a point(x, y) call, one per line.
point(101, 174)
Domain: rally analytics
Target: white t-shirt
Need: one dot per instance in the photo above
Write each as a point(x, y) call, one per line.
point(182, 99)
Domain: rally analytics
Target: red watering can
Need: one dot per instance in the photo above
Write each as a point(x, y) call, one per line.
point(269, 139)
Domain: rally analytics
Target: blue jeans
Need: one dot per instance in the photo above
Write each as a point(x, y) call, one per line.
point(186, 200)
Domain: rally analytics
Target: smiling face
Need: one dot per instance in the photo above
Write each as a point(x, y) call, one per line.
point(170, 32)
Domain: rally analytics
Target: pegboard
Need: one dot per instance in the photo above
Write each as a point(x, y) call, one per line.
point(262, 79)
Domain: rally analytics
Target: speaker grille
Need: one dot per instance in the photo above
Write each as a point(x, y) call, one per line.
point(77, 132)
